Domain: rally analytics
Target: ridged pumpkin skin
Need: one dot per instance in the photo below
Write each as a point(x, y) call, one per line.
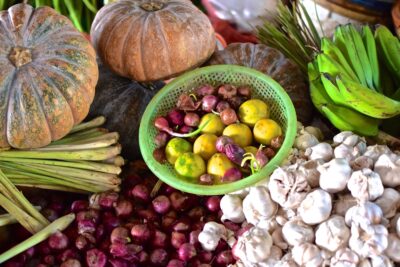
point(152, 40)
point(48, 74)
point(273, 63)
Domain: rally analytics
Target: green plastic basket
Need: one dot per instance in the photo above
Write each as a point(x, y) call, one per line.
point(263, 87)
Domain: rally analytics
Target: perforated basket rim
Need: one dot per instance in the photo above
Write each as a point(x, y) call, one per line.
point(169, 178)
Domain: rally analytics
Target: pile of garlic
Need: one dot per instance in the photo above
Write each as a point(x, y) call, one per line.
point(331, 204)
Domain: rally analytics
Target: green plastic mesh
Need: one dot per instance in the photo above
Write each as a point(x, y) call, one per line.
point(263, 87)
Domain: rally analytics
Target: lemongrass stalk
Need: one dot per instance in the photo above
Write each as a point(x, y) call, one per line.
point(6, 219)
point(59, 188)
point(92, 154)
point(80, 136)
point(96, 122)
point(21, 200)
point(58, 225)
point(104, 136)
point(116, 161)
point(27, 221)
point(86, 165)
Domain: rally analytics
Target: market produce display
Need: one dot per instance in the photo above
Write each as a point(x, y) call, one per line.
point(274, 64)
point(135, 38)
point(231, 133)
point(47, 79)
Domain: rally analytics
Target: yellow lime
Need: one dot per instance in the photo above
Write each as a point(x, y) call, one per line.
point(253, 110)
point(240, 134)
point(205, 145)
point(214, 125)
point(218, 165)
point(251, 149)
point(175, 147)
point(265, 130)
point(190, 165)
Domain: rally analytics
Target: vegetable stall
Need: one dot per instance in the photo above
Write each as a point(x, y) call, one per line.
point(130, 136)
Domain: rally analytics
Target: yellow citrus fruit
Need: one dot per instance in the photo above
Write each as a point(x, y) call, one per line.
point(251, 149)
point(240, 134)
point(190, 165)
point(253, 110)
point(175, 147)
point(265, 130)
point(205, 145)
point(218, 165)
point(214, 125)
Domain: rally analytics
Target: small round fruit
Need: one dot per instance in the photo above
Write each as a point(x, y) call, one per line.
point(253, 110)
point(251, 149)
point(265, 130)
point(218, 165)
point(190, 165)
point(214, 125)
point(240, 134)
point(205, 145)
point(175, 147)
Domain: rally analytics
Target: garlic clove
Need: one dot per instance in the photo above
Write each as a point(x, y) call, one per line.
point(316, 207)
point(343, 151)
point(322, 151)
point(393, 249)
point(368, 240)
point(381, 261)
point(258, 205)
point(232, 209)
point(334, 175)
point(308, 255)
point(340, 137)
point(389, 202)
point(296, 232)
point(365, 185)
point(344, 257)
point(388, 167)
point(277, 238)
point(332, 234)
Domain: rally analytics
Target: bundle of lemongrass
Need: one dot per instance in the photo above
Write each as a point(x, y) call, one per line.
point(86, 160)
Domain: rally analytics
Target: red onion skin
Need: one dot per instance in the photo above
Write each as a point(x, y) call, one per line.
point(49, 259)
point(236, 101)
point(212, 203)
point(68, 254)
point(192, 119)
point(197, 213)
point(50, 214)
point(110, 221)
point(231, 226)
point(244, 91)
point(232, 175)
point(91, 214)
point(159, 257)
point(15, 264)
point(71, 263)
point(167, 223)
point(100, 232)
point(86, 226)
point(159, 155)
point(95, 258)
point(181, 225)
point(108, 199)
point(221, 142)
point(227, 91)
point(104, 245)
point(43, 248)
point(208, 103)
point(243, 229)
point(81, 242)
point(205, 256)
point(222, 245)
point(228, 116)
point(186, 129)
point(162, 124)
point(225, 258)
point(194, 238)
point(178, 239)
point(194, 262)
point(141, 192)
point(79, 205)
point(206, 179)
point(160, 239)
point(148, 215)
point(167, 190)
point(175, 263)
point(118, 263)
point(123, 208)
point(234, 153)
point(120, 235)
point(221, 106)
point(175, 117)
point(161, 139)
point(118, 250)
point(161, 204)
point(143, 257)
point(186, 252)
point(140, 233)
point(132, 252)
point(178, 201)
point(198, 225)
point(205, 90)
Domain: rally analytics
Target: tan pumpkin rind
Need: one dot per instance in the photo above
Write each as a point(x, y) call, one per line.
point(272, 63)
point(48, 74)
point(152, 40)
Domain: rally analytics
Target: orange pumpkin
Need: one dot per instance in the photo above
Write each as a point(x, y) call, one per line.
point(48, 74)
point(152, 40)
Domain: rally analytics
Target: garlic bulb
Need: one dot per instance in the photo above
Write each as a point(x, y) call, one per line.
point(305, 140)
point(231, 207)
point(365, 185)
point(332, 234)
point(211, 234)
point(374, 152)
point(347, 137)
point(278, 240)
point(307, 255)
point(320, 151)
point(343, 151)
point(362, 162)
point(288, 187)
point(344, 257)
point(393, 249)
point(368, 240)
point(316, 207)
point(388, 167)
point(398, 226)
point(343, 204)
point(334, 175)
point(389, 202)
point(367, 212)
point(258, 205)
point(381, 261)
point(309, 170)
point(253, 246)
point(296, 232)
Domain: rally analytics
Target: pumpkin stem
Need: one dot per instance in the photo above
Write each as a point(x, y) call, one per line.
point(152, 6)
point(20, 56)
